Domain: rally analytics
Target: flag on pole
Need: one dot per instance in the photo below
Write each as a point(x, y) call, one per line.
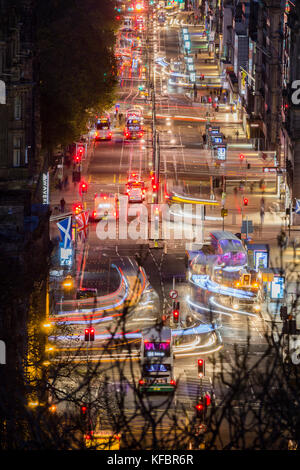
point(82, 220)
point(65, 228)
point(297, 208)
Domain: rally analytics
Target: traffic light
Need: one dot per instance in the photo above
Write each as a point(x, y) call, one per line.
point(200, 408)
point(201, 368)
point(175, 316)
point(176, 306)
point(242, 157)
point(77, 208)
point(83, 411)
point(92, 334)
point(154, 183)
point(89, 334)
point(80, 151)
point(82, 188)
point(245, 201)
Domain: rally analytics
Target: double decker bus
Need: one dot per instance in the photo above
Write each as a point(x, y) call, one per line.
point(157, 361)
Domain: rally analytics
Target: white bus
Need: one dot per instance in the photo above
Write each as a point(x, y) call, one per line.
point(157, 361)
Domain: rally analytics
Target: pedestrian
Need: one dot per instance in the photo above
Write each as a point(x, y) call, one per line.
point(262, 215)
point(62, 205)
point(66, 182)
point(223, 199)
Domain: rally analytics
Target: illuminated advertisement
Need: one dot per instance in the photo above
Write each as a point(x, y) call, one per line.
point(261, 260)
point(277, 288)
point(65, 255)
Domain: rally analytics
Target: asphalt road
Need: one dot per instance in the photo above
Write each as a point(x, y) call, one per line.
point(187, 165)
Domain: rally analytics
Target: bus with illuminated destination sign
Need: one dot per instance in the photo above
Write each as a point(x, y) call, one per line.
point(157, 361)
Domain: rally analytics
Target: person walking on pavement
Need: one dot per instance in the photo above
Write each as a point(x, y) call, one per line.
point(62, 205)
point(66, 182)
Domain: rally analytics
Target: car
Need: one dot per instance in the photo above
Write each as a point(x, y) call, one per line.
point(135, 191)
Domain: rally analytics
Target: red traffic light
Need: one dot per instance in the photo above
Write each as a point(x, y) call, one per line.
point(199, 407)
point(83, 409)
point(89, 334)
point(175, 316)
point(245, 201)
point(77, 208)
point(92, 334)
point(242, 156)
point(83, 187)
point(201, 368)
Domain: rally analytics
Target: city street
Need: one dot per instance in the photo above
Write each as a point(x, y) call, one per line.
point(134, 277)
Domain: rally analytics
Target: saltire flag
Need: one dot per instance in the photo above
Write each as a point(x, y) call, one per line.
point(65, 228)
point(297, 208)
point(82, 220)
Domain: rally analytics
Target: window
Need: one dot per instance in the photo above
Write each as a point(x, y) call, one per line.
point(17, 151)
point(18, 107)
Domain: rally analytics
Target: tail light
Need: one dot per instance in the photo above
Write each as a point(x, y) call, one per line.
point(94, 214)
point(144, 190)
point(109, 134)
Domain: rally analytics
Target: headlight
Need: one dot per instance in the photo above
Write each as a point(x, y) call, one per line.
point(236, 306)
point(257, 307)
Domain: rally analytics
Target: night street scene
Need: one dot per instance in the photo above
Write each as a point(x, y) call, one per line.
point(150, 227)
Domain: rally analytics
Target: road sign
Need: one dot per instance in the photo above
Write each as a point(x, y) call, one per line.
point(173, 294)
point(247, 226)
point(220, 151)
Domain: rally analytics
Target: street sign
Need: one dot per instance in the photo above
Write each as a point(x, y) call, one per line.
point(247, 226)
point(221, 151)
point(173, 294)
